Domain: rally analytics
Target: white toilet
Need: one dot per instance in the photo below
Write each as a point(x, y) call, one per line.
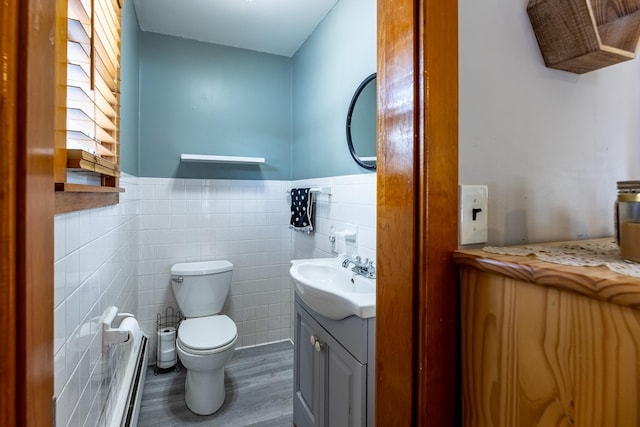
point(206, 339)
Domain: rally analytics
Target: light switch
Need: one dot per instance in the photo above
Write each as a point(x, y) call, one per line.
point(473, 214)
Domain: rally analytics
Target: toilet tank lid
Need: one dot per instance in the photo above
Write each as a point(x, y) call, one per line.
point(201, 268)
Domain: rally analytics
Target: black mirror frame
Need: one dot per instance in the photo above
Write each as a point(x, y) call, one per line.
point(349, 114)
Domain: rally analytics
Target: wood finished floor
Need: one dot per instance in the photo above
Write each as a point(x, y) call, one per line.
point(259, 392)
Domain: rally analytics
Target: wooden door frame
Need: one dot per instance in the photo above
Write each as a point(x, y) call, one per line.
point(26, 206)
point(417, 369)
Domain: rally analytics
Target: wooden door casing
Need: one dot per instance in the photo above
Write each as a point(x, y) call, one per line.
point(26, 204)
point(8, 211)
point(417, 369)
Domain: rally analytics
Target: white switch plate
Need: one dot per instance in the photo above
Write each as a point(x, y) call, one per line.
point(473, 205)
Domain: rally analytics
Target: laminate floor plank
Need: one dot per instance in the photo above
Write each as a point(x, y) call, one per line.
point(259, 392)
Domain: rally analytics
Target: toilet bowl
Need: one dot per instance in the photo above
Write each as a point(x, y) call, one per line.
point(206, 339)
point(205, 345)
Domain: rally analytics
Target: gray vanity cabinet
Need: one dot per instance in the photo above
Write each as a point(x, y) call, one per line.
point(330, 379)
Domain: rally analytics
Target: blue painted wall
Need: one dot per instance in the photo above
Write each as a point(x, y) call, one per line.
point(201, 98)
point(327, 70)
point(129, 88)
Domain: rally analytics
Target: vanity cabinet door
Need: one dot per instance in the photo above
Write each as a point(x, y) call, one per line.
point(329, 383)
point(345, 385)
point(308, 373)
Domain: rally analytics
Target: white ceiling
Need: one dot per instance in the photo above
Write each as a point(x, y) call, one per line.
point(273, 26)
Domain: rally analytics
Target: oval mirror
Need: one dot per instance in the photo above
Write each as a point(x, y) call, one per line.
point(361, 124)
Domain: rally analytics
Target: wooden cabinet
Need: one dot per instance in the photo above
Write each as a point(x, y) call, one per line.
point(331, 379)
point(546, 344)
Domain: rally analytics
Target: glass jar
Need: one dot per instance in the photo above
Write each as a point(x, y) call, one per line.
point(628, 220)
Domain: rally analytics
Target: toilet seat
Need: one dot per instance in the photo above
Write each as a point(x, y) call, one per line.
point(206, 335)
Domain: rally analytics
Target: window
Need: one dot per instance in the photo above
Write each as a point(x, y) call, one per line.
point(88, 98)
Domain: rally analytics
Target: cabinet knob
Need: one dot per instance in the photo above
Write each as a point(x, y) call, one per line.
point(315, 342)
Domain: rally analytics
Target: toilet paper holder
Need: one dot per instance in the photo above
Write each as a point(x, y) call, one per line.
point(111, 335)
point(166, 327)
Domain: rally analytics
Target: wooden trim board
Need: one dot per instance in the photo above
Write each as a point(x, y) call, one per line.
point(27, 204)
point(8, 211)
point(417, 372)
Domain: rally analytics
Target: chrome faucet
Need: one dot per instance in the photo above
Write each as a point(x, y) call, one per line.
point(366, 267)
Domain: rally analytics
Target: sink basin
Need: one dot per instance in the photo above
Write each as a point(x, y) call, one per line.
point(332, 290)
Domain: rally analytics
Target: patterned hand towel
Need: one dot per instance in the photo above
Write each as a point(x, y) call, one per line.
point(301, 209)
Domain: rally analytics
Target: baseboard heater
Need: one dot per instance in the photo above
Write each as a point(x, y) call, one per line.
point(134, 399)
point(127, 407)
point(121, 333)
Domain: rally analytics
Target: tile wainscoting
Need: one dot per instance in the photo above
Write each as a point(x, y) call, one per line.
point(244, 222)
point(95, 266)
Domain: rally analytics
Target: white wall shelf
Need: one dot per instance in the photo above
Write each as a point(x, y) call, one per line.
point(203, 158)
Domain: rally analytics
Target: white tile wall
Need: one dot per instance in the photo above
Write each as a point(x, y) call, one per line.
point(122, 256)
point(95, 267)
point(245, 222)
point(351, 206)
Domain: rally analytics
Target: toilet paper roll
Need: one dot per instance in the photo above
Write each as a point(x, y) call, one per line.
point(130, 324)
point(166, 355)
point(169, 363)
point(167, 338)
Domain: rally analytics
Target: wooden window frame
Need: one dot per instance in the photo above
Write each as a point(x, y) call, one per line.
point(71, 196)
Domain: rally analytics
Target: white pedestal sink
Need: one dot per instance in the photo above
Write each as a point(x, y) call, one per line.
point(332, 290)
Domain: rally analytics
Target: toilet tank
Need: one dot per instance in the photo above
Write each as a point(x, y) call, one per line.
point(201, 288)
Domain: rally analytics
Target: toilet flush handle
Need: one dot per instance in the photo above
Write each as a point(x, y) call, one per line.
point(178, 279)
